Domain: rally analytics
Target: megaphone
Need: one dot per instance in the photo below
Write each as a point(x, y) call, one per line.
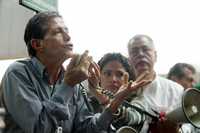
point(126, 129)
point(189, 111)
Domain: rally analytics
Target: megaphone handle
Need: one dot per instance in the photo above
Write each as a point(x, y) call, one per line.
point(127, 104)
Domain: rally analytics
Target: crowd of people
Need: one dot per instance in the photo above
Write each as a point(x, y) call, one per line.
point(41, 96)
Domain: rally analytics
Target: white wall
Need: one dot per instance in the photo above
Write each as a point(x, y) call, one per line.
point(13, 19)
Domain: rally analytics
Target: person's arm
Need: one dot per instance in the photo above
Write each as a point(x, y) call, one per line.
point(88, 122)
point(128, 116)
point(133, 116)
point(25, 107)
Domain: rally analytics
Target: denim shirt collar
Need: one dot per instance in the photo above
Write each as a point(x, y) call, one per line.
point(42, 69)
point(38, 66)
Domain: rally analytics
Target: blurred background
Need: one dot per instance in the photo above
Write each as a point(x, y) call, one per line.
point(103, 26)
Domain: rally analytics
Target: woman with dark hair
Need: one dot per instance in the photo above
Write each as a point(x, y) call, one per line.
point(114, 72)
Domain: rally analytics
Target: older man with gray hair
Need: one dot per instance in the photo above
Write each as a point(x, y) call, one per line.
point(161, 95)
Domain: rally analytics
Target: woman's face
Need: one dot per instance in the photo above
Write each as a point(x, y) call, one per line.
point(112, 76)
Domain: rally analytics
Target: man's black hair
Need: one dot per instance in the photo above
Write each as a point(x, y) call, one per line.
point(36, 28)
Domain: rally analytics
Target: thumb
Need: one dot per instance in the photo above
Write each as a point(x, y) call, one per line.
point(125, 78)
point(74, 61)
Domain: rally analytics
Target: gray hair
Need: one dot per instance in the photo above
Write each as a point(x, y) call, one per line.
point(140, 38)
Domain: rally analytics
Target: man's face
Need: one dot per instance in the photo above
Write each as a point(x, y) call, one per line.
point(188, 80)
point(142, 56)
point(56, 42)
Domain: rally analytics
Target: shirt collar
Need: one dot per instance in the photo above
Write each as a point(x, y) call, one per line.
point(42, 69)
point(38, 66)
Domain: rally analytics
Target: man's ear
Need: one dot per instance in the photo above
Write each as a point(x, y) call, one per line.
point(36, 44)
point(155, 56)
point(129, 60)
point(174, 78)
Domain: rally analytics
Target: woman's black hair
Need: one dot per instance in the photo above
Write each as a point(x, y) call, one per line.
point(121, 59)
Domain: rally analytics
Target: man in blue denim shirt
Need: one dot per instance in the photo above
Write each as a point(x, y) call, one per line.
point(40, 96)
